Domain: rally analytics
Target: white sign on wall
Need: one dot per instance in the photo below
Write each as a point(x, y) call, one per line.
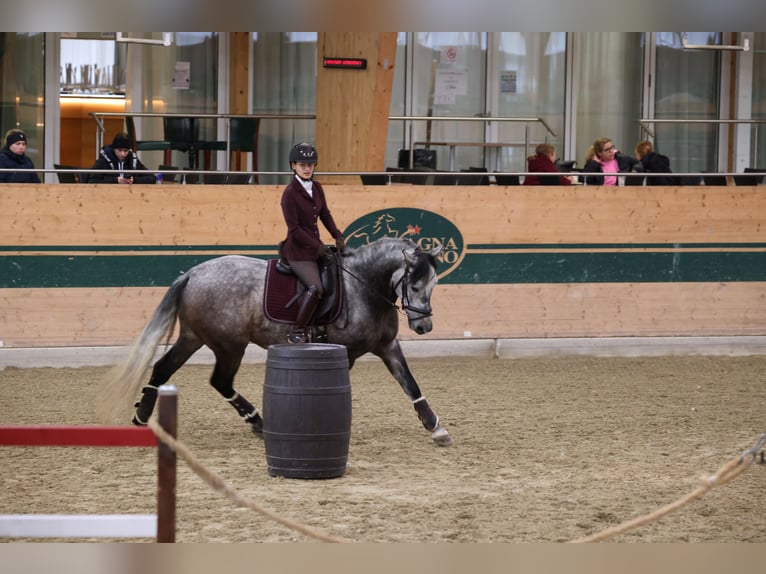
point(181, 75)
point(448, 84)
point(508, 82)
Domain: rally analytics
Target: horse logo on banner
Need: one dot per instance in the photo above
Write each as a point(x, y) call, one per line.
point(425, 228)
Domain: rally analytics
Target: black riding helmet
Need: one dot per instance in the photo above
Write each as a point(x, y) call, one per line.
point(303, 153)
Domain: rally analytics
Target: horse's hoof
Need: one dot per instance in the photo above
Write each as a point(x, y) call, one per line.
point(441, 437)
point(256, 424)
point(137, 422)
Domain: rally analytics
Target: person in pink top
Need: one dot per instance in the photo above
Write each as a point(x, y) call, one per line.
point(544, 162)
point(604, 157)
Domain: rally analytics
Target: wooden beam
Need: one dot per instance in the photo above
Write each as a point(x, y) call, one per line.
point(353, 105)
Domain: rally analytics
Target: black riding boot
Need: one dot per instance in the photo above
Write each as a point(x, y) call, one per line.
point(309, 304)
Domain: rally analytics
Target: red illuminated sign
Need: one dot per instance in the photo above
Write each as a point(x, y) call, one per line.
point(351, 63)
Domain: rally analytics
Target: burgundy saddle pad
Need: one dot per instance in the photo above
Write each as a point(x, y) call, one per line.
point(280, 291)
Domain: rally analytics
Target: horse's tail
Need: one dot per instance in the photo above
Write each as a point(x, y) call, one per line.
point(124, 380)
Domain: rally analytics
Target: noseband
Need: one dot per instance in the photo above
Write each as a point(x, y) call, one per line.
point(403, 281)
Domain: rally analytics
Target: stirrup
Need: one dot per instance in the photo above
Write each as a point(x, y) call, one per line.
point(298, 336)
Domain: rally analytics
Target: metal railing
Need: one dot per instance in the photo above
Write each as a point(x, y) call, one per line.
point(410, 126)
point(645, 128)
point(98, 117)
point(198, 175)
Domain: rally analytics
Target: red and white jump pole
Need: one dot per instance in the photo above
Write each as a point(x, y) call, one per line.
point(162, 525)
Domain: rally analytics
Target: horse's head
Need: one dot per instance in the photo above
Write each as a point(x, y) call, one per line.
point(414, 285)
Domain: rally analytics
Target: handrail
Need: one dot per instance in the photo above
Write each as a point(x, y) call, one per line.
point(390, 174)
point(477, 118)
point(643, 121)
point(98, 118)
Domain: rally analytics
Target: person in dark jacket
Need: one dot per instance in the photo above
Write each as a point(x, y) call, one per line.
point(604, 157)
point(544, 162)
point(649, 161)
point(118, 157)
point(13, 156)
point(303, 202)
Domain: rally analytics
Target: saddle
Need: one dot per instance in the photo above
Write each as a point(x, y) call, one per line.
point(283, 292)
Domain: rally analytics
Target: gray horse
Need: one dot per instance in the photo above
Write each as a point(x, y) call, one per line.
point(219, 303)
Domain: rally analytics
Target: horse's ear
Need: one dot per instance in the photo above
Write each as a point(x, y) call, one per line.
point(436, 250)
point(410, 256)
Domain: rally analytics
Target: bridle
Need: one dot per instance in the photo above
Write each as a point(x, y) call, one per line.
point(403, 281)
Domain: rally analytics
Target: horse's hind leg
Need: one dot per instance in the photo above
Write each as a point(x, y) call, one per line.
point(226, 366)
point(163, 369)
point(394, 360)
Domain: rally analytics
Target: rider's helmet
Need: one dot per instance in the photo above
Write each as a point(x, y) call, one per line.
point(303, 153)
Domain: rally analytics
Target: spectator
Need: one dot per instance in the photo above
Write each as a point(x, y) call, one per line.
point(544, 162)
point(649, 161)
point(119, 157)
point(606, 158)
point(13, 156)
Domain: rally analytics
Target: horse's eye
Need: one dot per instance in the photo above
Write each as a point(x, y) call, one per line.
point(415, 289)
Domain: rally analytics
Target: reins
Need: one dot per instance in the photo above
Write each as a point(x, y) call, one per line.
point(402, 281)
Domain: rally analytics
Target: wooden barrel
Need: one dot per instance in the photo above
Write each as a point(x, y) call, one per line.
point(307, 410)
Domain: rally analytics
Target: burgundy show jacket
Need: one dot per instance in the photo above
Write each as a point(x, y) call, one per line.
point(301, 212)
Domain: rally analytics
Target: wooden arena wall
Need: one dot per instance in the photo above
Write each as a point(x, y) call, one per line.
point(87, 264)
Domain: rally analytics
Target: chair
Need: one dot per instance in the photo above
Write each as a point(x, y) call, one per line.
point(714, 179)
point(217, 178)
point(170, 177)
point(239, 179)
point(443, 178)
point(749, 179)
point(404, 177)
point(182, 134)
point(373, 179)
point(144, 145)
point(506, 179)
point(243, 138)
point(548, 179)
point(471, 179)
point(67, 177)
point(421, 158)
point(693, 180)
point(756, 170)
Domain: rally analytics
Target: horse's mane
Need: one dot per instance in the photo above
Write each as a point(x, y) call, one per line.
point(377, 250)
point(380, 246)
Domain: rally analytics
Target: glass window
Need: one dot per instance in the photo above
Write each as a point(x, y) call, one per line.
point(758, 137)
point(687, 87)
point(22, 90)
point(92, 66)
point(530, 82)
point(284, 82)
point(156, 91)
point(448, 79)
point(608, 68)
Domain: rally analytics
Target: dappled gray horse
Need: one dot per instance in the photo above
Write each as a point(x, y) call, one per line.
point(219, 303)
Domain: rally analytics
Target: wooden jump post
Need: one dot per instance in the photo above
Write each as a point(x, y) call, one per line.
point(161, 525)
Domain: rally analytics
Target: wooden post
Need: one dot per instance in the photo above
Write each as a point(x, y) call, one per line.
point(166, 466)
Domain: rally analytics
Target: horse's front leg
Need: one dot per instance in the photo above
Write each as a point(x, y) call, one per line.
point(394, 360)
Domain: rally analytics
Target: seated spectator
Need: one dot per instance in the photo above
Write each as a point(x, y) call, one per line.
point(604, 157)
point(649, 161)
point(13, 156)
point(119, 157)
point(544, 162)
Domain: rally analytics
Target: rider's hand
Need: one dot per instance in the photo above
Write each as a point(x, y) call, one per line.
point(323, 250)
point(340, 245)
